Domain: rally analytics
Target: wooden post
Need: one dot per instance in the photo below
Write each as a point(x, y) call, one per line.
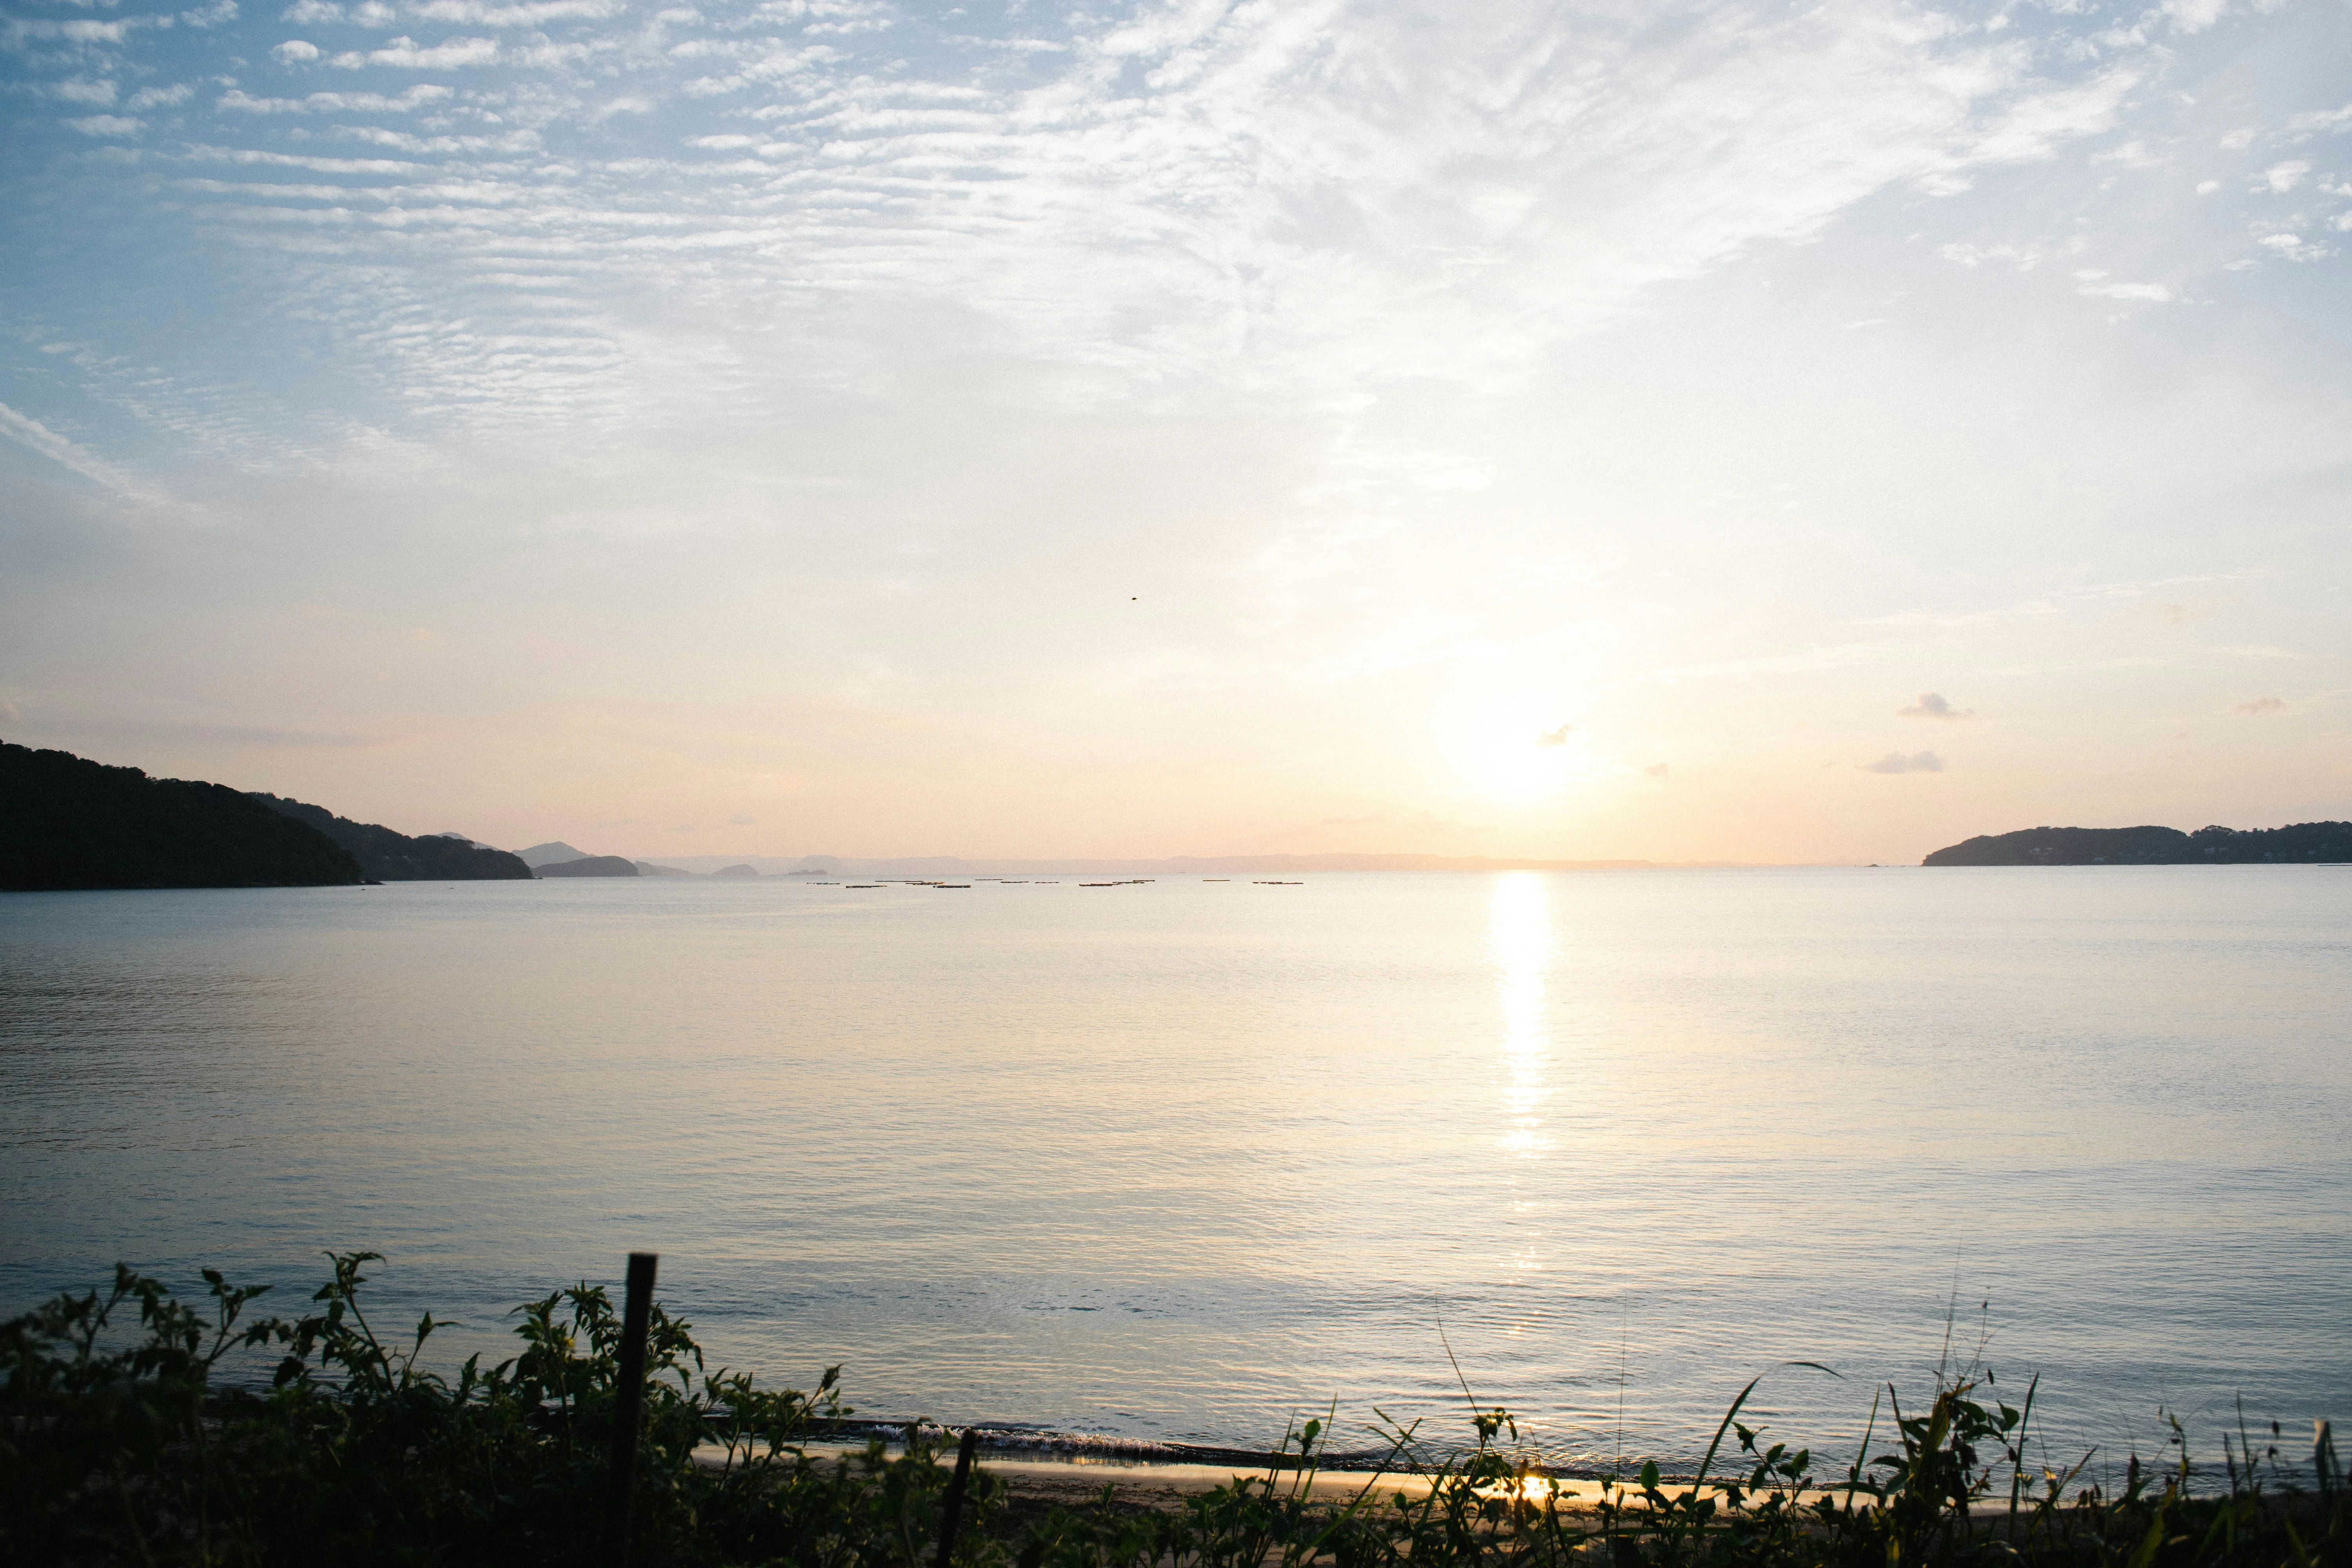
point(629, 1396)
point(950, 1515)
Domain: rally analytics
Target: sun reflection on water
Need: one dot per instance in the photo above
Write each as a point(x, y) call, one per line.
point(1521, 944)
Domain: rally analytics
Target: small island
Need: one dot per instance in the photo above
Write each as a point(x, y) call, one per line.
point(590, 866)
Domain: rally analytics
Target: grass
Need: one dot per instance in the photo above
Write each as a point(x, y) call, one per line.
point(124, 1438)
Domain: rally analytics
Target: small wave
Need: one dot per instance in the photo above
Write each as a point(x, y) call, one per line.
point(1538, 1458)
point(1092, 1446)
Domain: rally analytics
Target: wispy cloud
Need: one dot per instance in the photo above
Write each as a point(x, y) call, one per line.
point(26, 431)
point(406, 54)
point(1932, 705)
point(1288, 201)
point(418, 97)
point(1901, 763)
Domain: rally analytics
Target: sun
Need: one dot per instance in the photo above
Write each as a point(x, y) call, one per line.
point(1514, 751)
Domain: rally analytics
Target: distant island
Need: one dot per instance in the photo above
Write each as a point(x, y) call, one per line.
point(69, 823)
point(956, 865)
point(589, 866)
point(2303, 841)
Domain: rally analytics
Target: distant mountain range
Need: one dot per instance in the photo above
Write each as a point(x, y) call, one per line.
point(2302, 841)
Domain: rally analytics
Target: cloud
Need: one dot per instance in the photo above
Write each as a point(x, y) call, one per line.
point(218, 14)
point(2293, 248)
point(2193, 16)
point(1896, 763)
point(1250, 190)
point(2262, 705)
point(403, 54)
point(415, 98)
point(1655, 771)
point(2304, 125)
point(251, 155)
point(740, 820)
point(324, 13)
point(26, 431)
point(161, 96)
point(2281, 178)
point(1931, 705)
point(533, 15)
point(1555, 737)
point(79, 91)
point(1211, 194)
point(2144, 293)
point(16, 32)
point(107, 125)
point(1297, 201)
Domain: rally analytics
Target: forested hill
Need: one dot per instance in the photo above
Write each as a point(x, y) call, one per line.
point(67, 822)
point(391, 857)
point(2304, 841)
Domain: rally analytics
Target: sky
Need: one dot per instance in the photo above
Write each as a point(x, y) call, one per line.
point(1768, 432)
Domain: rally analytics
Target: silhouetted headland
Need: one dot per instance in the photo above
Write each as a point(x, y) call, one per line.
point(390, 857)
point(69, 823)
point(2303, 841)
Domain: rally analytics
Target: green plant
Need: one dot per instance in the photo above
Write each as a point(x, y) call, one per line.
point(127, 1435)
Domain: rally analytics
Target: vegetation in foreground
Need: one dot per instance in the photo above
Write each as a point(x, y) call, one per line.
point(123, 1441)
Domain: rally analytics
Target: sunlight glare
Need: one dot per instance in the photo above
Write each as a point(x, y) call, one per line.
point(1520, 943)
point(1517, 752)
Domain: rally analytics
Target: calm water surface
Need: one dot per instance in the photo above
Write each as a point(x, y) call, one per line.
point(1183, 1159)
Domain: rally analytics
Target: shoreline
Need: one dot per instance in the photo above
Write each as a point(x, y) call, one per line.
point(1073, 1481)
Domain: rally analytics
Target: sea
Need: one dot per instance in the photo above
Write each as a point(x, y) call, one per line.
point(1182, 1161)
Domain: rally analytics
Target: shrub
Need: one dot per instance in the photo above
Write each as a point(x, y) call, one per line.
point(133, 1443)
